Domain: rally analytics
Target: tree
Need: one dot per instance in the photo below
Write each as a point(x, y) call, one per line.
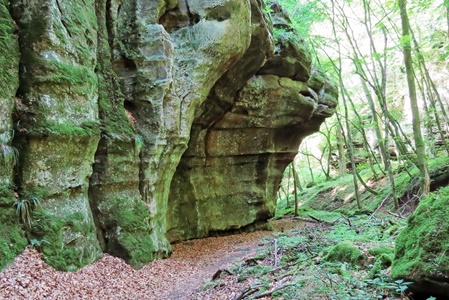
point(416, 122)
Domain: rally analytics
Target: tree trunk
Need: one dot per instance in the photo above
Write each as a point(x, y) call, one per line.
point(295, 191)
point(341, 151)
point(416, 122)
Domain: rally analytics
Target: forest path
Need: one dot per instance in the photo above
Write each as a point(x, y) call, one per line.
point(179, 277)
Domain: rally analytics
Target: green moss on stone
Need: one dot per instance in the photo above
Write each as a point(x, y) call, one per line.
point(114, 122)
point(62, 237)
point(9, 53)
point(12, 242)
point(422, 246)
point(12, 237)
point(79, 79)
point(345, 252)
point(382, 262)
point(132, 240)
point(45, 128)
point(140, 248)
point(378, 251)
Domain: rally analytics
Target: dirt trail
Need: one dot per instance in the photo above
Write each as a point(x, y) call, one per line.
point(192, 264)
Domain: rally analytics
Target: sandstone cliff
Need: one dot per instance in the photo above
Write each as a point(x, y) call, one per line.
point(138, 122)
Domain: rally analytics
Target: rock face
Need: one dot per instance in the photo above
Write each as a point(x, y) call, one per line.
point(246, 133)
point(421, 254)
point(133, 118)
point(12, 240)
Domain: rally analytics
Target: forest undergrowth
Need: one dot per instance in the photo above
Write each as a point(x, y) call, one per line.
point(333, 257)
point(336, 251)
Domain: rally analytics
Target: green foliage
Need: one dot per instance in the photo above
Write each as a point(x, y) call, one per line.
point(385, 284)
point(8, 157)
point(303, 15)
point(24, 207)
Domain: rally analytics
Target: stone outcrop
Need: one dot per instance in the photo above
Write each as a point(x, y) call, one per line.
point(134, 118)
point(246, 133)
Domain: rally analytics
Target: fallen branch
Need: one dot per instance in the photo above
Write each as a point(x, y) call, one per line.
point(280, 268)
point(347, 220)
point(380, 205)
point(318, 220)
point(275, 289)
point(249, 291)
point(220, 272)
point(396, 215)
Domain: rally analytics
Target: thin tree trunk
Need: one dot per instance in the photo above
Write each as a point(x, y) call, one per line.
point(350, 146)
point(308, 163)
point(433, 93)
point(341, 151)
point(416, 122)
point(295, 191)
point(288, 184)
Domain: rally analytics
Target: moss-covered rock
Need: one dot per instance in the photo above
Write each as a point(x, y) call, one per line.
point(67, 241)
point(383, 259)
point(57, 172)
point(245, 134)
point(378, 251)
point(382, 262)
point(124, 87)
point(421, 253)
point(345, 252)
point(12, 238)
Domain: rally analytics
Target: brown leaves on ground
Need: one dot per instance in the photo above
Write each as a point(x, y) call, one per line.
point(180, 277)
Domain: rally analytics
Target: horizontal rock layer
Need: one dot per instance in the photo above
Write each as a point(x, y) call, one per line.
point(131, 119)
